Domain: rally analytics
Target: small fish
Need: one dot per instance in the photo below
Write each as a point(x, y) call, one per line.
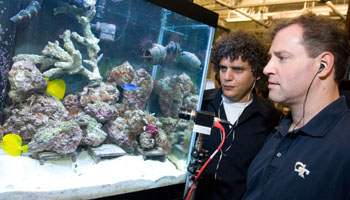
point(12, 144)
point(56, 88)
point(130, 86)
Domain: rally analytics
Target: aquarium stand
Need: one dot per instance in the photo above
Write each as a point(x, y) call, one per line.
point(154, 154)
point(105, 151)
point(43, 156)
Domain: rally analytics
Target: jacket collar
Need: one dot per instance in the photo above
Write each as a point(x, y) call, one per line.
point(214, 98)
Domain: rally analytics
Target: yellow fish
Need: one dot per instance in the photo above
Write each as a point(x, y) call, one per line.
point(57, 88)
point(11, 144)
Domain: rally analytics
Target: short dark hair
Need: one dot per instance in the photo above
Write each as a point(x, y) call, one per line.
point(240, 43)
point(321, 34)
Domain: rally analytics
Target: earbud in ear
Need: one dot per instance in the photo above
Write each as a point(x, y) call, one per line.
point(321, 67)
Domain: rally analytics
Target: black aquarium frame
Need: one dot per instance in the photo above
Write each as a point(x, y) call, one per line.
point(189, 9)
point(171, 192)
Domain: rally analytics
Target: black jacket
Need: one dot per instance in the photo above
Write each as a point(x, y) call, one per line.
point(254, 124)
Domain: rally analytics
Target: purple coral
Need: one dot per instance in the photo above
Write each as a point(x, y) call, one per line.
point(153, 130)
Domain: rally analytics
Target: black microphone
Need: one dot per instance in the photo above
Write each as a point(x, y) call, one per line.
point(203, 118)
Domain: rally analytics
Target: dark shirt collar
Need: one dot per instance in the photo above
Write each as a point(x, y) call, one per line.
point(321, 123)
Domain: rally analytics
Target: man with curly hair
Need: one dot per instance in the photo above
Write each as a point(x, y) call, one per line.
point(239, 59)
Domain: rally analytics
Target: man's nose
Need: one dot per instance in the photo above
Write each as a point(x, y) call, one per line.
point(229, 75)
point(268, 69)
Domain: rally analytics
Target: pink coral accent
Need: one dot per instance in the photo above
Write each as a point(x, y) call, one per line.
point(152, 129)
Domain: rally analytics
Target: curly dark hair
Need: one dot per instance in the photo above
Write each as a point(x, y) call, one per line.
point(240, 43)
point(321, 34)
point(246, 45)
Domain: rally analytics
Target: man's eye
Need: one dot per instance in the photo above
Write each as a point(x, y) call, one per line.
point(223, 68)
point(282, 58)
point(238, 69)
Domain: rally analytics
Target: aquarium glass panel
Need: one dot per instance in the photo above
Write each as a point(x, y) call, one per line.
point(93, 97)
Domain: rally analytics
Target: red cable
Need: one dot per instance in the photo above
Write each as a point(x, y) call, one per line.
point(219, 126)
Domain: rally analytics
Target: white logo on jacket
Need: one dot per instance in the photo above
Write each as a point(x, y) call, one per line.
point(301, 169)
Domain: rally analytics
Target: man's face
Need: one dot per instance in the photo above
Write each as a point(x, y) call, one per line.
point(289, 69)
point(236, 79)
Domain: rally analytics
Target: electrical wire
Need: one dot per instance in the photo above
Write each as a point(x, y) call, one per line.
point(232, 130)
point(304, 103)
point(219, 126)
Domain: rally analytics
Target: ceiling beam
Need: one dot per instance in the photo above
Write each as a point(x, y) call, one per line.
point(252, 18)
point(222, 24)
point(334, 9)
point(261, 23)
point(273, 3)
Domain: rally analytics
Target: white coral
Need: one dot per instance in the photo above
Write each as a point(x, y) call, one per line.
point(68, 59)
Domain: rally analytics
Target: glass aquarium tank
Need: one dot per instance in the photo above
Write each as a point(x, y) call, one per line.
point(91, 91)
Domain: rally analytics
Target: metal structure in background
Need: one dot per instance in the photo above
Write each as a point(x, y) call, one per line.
point(258, 15)
point(348, 22)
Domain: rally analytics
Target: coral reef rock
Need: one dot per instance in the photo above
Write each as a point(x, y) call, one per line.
point(147, 140)
point(162, 140)
point(120, 108)
point(25, 123)
point(119, 133)
point(104, 92)
point(172, 91)
point(190, 102)
point(93, 135)
point(137, 99)
point(168, 123)
point(25, 80)
point(101, 111)
point(152, 129)
point(2, 131)
point(176, 130)
point(62, 139)
point(72, 104)
point(48, 105)
point(121, 74)
point(34, 113)
point(136, 120)
point(71, 101)
point(153, 136)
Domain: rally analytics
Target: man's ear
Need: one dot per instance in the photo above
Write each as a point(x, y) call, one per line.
point(326, 64)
